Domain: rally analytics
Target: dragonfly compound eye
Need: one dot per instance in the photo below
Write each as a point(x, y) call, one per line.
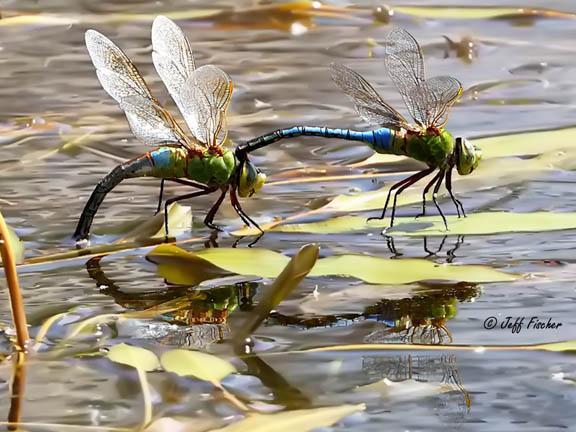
point(251, 180)
point(469, 156)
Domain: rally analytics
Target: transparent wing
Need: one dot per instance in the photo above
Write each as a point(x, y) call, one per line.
point(405, 66)
point(207, 96)
point(202, 94)
point(149, 122)
point(427, 100)
point(445, 91)
point(173, 59)
point(368, 103)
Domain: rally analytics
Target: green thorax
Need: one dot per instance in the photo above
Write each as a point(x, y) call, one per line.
point(177, 162)
point(433, 147)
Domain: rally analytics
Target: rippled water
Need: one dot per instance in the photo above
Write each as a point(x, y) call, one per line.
point(278, 61)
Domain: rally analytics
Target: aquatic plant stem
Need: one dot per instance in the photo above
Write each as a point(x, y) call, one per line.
point(147, 399)
point(230, 397)
point(17, 390)
point(16, 302)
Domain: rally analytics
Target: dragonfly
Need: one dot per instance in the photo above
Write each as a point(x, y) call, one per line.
point(198, 159)
point(425, 139)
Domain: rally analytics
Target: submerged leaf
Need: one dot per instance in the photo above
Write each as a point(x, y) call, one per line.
point(136, 357)
point(184, 268)
point(296, 270)
point(291, 421)
point(196, 364)
point(474, 224)
point(406, 390)
point(266, 263)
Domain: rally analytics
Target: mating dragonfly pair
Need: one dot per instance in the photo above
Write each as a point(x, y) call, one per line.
point(203, 94)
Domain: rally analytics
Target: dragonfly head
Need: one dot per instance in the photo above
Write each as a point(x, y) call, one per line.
point(468, 156)
point(250, 180)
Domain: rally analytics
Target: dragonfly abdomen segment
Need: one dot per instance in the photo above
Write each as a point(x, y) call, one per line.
point(380, 140)
point(138, 167)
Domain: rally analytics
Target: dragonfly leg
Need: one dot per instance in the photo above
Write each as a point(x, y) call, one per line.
point(179, 181)
point(451, 254)
point(425, 191)
point(245, 218)
point(209, 219)
point(197, 185)
point(394, 187)
point(160, 198)
point(392, 246)
point(410, 181)
point(435, 198)
point(455, 200)
point(180, 198)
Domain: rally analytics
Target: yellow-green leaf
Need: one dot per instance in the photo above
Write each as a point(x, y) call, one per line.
point(403, 271)
point(136, 357)
point(179, 219)
point(292, 421)
point(474, 224)
point(196, 364)
point(567, 346)
point(266, 263)
point(238, 261)
point(296, 270)
point(183, 268)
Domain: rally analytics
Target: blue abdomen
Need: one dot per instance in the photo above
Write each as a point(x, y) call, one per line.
point(162, 157)
point(168, 162)
point(382, 140)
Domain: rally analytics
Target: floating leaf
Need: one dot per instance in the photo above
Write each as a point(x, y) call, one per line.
point(238, 261)
point(291, 421)
point(402, 271)
point(473, 224)
point(568, 346)
point(136, 357)
point(184, 268)
point(196, 364)
point(296, 270)
point(266, 263)
point(143, 361)
point(179, 219)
